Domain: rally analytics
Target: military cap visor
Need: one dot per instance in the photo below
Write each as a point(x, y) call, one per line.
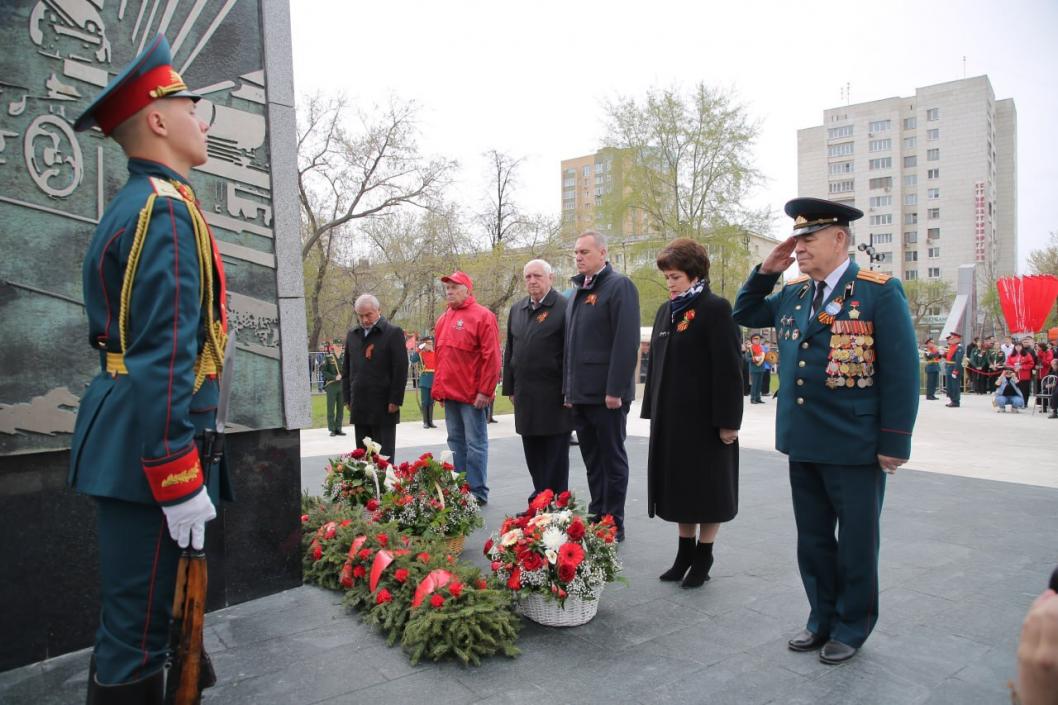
point(812, 214)
point(149, 77)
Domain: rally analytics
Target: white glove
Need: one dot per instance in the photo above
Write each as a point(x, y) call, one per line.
point(187, 520)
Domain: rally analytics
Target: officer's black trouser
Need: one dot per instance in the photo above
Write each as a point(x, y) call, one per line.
point(385, 434)
point(548, 460)
point(840, 575)
point(601, 433)
point(137, 567)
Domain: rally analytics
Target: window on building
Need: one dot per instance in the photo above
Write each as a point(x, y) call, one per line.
point(933, 134)
point(933, 213)
point(933, 114)
point(933, 194)
point(933, 174)
point(840, 150)
point(910, 237)
point(880, 145)
point(934, 252)
point(881, 238)
point(910, 161)
point(910, 218)
point(933, 155)
point(880, 201)
point(933, 273)
point(910, 199)
point(882, 163)
point(837, 168)
point(910, 123)
point(836, 132)
point(911, 255)
point(842, 186)
point(882, 182)
point(883, 219)
point(910, 179)
point(910, 274)
point(878, 126)
point(587, 170)
point(910, 142)
point(884, 257)
point(933, 233)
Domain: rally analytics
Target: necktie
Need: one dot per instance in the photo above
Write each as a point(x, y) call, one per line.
point(817, 300)
point(534, 304)
point(587, 281)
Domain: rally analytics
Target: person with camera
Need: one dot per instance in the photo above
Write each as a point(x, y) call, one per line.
point(1008, 392)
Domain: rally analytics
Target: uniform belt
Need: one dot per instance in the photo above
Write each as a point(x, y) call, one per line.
point(115, 364)
point(426, 370)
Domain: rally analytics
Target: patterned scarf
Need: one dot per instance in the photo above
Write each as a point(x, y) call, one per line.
point(681, 302)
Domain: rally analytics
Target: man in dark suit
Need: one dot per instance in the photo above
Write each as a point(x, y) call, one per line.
point(374, 375)
point(532, 378)
point(602, 343)
point(849, 383)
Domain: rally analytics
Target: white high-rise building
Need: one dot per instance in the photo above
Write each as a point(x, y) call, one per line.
point(935, 175)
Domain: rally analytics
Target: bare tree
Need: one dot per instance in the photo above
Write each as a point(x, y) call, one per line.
point(348, 175)
point(924, 296)
point(501, 217)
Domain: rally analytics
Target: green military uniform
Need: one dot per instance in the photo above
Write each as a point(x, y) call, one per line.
point(932, 357)
point(155, 293)
point(332, 386)
point(953, 369)
point(848, 393)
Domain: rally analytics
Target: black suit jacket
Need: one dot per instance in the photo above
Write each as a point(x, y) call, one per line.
point(375, 373)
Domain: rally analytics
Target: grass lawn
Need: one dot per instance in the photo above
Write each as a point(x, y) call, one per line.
point(408, 412)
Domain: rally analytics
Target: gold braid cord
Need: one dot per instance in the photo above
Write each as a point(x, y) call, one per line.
point(210, 359)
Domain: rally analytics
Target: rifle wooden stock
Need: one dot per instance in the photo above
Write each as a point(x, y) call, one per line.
point(190, 671)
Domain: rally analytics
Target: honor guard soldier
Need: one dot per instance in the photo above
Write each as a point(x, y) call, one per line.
point(847, 405)
point(154, 293)
point(332, 385)
point(953, 358)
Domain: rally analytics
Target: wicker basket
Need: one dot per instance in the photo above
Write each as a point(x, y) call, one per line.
point(455, 544)
point(548, 612)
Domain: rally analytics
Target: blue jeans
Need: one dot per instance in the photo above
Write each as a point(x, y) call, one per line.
point(1014, 401)
point(469, 442)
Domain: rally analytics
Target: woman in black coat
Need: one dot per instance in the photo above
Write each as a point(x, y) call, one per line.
point(693, 398)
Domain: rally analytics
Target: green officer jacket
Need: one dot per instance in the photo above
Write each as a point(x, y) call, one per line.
point(330, 369)
point(819, 420)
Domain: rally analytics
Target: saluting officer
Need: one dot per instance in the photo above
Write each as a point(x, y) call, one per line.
point(154, 293)
point(846, 410)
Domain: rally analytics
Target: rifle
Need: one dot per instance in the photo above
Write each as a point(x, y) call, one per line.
point(190, 668)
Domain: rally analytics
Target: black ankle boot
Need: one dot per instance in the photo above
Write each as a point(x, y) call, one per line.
point(684, 556)
point(699, 572)
point(146, 691)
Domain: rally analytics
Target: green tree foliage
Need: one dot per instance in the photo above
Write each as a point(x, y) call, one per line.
point(924, 295)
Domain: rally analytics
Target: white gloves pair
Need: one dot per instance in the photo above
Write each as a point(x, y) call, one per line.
point(187, 520)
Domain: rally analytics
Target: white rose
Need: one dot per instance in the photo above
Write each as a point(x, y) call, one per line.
point(553, 538)
point(511, 537)
point(371, 446)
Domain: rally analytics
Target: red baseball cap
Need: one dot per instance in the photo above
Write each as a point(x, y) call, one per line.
point(460, 278)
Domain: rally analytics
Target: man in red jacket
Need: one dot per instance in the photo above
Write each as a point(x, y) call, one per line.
point(468, 368)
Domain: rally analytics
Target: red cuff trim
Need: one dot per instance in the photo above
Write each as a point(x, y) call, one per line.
point(893, 430)
point(174, 479)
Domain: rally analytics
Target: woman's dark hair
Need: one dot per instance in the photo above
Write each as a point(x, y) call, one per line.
point(928, 341)
point(687, 256)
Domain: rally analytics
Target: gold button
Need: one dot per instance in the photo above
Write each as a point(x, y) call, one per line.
point(801, 400)
point(801, 363)
point(800, 383)
point(804, 345)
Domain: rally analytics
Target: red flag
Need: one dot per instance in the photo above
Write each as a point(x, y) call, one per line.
point(1026, 301)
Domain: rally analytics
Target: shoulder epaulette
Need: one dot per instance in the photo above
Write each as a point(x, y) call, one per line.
point(165, 189)
point(798, 280)
point(875, 277)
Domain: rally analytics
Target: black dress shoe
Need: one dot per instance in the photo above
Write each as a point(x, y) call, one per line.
point(806, 640)
point(954, 406)
point(834, 652)
point(339, 433)
point(333, 434)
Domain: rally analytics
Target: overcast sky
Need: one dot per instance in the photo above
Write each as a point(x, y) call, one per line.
point(531, 78)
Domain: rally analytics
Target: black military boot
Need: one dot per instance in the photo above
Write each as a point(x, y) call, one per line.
point(684, 556)
point(149, 690)
point(699, 572)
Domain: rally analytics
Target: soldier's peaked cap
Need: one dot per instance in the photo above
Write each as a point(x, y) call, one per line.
point(148, 78)
point(812, 214)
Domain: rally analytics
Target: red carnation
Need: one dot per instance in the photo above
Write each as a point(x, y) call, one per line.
point(562, 594)
point(330, 529)
point(359, 571)
point(482, 583)
point(437, 600)
point(541, 500)
point(563, 499)
point(464, 488)
point(570, 553)
point(357, 454)
point(381, 462)
point(566, 572)
point(383, 597)
point(455, 588)
point(426, 456)
point(317, 551)
point(576, 529)
point(382, 539)
point(515, 581)
point(401, 575)
point(346, 578)
point(495, 565)
point(364, 554)
point(304, 518)
point(488, 546)
point(346, 522)
point(423, 557)
point(532, 561)
point(372, 504)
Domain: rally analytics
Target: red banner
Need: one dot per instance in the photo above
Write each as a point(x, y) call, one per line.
point(1026, 301)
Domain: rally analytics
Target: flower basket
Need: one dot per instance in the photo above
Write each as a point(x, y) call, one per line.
point(554, 561)
point(428, 499)
point(548, 612)
point(455, 545)
point(356, 479)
